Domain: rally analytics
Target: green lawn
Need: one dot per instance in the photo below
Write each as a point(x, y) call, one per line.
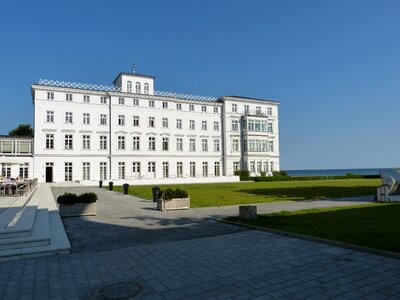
point(375, 226)
point(220, 194)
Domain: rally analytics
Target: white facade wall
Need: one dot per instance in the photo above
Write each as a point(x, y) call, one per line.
point(121, 105)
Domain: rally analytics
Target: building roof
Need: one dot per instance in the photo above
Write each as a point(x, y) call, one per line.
point(135, 74)
point(250, 98)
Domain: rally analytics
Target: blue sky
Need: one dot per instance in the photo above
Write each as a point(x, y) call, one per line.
point(334, 64)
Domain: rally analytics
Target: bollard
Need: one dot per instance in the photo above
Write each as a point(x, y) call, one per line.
point(100, 184)
point(155, 190)
point(110, 186)
point(126, 188)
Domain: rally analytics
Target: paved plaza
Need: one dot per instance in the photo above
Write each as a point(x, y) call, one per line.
point(188, 255)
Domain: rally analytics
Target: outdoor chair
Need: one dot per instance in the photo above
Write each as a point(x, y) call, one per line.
point(389, 191)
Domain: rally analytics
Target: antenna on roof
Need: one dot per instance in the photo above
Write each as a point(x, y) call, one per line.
point(133, 66)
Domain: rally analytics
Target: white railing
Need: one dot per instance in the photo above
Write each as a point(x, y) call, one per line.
point(184, 96)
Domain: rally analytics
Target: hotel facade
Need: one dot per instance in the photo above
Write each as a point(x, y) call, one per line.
point(129, 131)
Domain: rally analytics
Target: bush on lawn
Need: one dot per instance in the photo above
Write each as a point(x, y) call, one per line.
point(243, 174)
point(71, 198)
point(169, 194)
point(279, 173)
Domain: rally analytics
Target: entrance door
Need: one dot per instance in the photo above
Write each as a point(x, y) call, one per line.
point(49, 174)
point(151, 171)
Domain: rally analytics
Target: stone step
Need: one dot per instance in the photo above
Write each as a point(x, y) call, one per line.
point(40, 235)
point(59, 243)
point(17, 220)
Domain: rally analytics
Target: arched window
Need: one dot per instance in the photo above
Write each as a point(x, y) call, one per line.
point(137, 87)
point(129, 87)
point(146, 88)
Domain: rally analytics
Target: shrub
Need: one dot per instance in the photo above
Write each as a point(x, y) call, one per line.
point(243, 174)
point(70, 198)
point(169, 194)
point(279, 173)
point(263, 174)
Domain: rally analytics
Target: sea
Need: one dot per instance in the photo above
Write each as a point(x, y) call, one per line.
point(333, 172)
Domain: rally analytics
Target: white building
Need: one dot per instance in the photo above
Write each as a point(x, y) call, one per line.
point(16, 156)
point(130, 131)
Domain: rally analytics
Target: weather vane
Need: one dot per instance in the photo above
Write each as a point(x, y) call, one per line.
point(133, 66)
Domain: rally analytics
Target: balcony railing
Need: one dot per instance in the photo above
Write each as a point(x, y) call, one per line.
point(257, 113)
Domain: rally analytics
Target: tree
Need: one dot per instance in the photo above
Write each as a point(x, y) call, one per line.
point(22, 129)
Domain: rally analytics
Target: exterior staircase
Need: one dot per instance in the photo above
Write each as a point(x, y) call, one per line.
point(31, 226)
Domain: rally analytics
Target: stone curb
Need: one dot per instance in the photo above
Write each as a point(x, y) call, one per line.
point(317, 239)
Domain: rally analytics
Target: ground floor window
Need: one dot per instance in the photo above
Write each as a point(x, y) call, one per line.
point(216, 168)
point(272, 166)
point(252, 167)
point(165, 169)
point(24, 170)
point(68, 171)
point(192, 169)
point(151, 169)
point(236, 166)
point(265, 166)
point(179, 169)
point(258, 167)
point(205, 169)
point(136, 169)
point(121, 170)
point(86, 171)
point(6, 170)
point(103, 170)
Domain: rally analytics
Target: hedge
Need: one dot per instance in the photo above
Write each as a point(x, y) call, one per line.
point(70, 198)
point(303, 178)
point(169, 194)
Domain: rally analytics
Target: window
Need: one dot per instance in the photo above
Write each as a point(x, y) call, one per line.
point(258, 167)
point(235, 125)
point(192, 145)
point(203, 125)
point(216, 125)
point(146, 88)
point(129, 86)
point(151, 122)
point(178, 106)
point(68, 117)
point(68, 141)
point(216, 168)
point(204, 145)
point(50, 141)
point(191, 107)
point(269, 111)
point(86, 142)
point(151, 167)
point(103, 119)
point(205, 169)
point(152, 143)
point(121, 120)
point(68, 171)
point(121, 101)
point(135, 121)
point(151, 103)
point(192, 169)
point(165, 122)
point(234, 107)
point(121, 170)
point(138, 88)
point(24, 170)
point(103, 170)
point(135, 102)
point(265, 166)
point(235, 145)
point(235, 166)
point(246, 109)
point(86, 118)
point(204, 108)
point(103, 142)
point(250, 125)
point(165, 144)
point(103, 100)
point(252, 167)
point(165, 105)
point(179, 124)
point(50, 116)
point(121, 142)
point(216, 145)
point(179, 144)
point(215, 109)
point(50, 96)
point(271, 146)
point(68, 97)
point(191, 124)
point(258, 110)
point(257, 125)
point(165, 167)
point(179, 169)
point(86, 171)
point(136, 143)
point(86, 98)
point(272, 168)
point(270, 128)
point(136, 169)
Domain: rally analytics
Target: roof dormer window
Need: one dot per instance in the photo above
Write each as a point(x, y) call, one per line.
point(129, 87)
point(138, 87)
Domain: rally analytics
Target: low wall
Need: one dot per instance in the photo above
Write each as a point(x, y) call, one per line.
point(158, 181)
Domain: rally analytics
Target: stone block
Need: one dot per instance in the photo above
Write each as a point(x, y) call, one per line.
point(248, 212)
point(77, 209)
